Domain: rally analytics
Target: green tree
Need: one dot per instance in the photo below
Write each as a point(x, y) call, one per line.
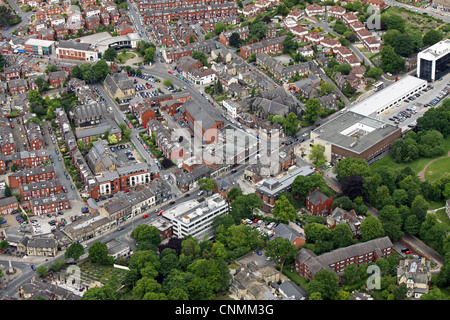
point(391, 221)
point(284, 210)
point(168, 82)
point(317, 155)
point(371, 228)
point(404, 45)
point(344, 68)
point(144, 286)
point(234, 193)
point(374, 73)
point(219, 27)
point(432, 37)
point(41, 271)
point(207, 184)
point(98, 253)
point(7, 192)
point(326, 88)
point(393, 21)
point(101, 70)
point(146, 233)
point(75, 251)
point(341, 236)
point(200, 56)
point(325, 282)
point(235, 40)
point(110, 54)
point(419, 207)
point(178, 294)
point(390, 61)
point(434, 294)
point(316, 232)
point(351, 166)
point(258, 30)
point(281, 250)
point(312, 107)
point(290, 123)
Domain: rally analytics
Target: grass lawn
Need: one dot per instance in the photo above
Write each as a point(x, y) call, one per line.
point(442, 216)
point(124, 57)
point(296, 278)
point(437, 168)
point(416, 165)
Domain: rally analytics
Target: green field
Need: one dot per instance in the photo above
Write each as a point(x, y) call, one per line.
point(416, 165)
point(122, 57)
point(437, 168)
point(443, 217)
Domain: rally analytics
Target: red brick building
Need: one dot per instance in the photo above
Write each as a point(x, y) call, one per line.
point(307, 263)
point(54, 203)
point(272, 45)
point(57, 78)
point(41, 189)
point(25, 159)
point(32, 175)
point(318, 203)
point(8, 205)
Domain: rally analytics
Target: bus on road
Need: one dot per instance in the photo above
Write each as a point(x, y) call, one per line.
point(378, 86)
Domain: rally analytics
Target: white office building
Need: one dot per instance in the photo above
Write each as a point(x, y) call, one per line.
point(389, 97)
point(194, 217)
point(232, 107)
point(433, 62)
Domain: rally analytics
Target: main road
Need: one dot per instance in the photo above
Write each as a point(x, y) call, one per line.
point(436, 13)
point(24, 15)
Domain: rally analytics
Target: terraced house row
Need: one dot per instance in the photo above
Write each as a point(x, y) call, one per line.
point(190, 13)
point(145, 5)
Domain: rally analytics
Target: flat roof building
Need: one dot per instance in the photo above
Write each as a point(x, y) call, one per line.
point(195, 218)
point(39, 47)
point(433, 62)
point(389, 97)
point(269, 189)
point(355, 135)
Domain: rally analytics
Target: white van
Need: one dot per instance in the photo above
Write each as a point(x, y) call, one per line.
point(200, 193)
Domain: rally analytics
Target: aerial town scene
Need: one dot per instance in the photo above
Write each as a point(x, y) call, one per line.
point(224, 150)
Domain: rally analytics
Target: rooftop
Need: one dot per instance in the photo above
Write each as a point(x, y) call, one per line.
point(388, 95)
point(352, 131)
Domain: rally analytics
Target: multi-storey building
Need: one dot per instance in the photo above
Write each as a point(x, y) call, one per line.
point(268, 46)
point(8, 205)
point(54, 203)
point(307, 263)
point(31, 175)
point(26, 159)
point(41, 189)
point(225, 36)
point(132, 203)
point(195, 218)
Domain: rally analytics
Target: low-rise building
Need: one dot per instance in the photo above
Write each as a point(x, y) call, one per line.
point(415, 273)
point(270, 189)
point(307, 263)
point(8, 205)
